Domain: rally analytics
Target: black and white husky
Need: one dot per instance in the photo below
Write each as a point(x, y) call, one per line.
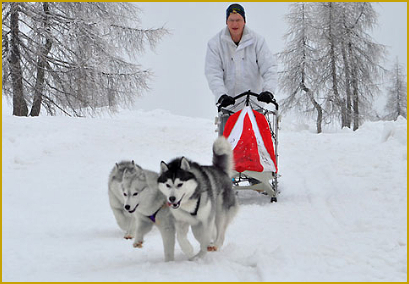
point(200, 197)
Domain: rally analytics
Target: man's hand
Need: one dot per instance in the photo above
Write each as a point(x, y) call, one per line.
point(225, 101)
point(266, 97)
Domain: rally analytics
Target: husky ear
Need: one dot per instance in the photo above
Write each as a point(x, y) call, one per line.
point(126, 173)
point(138, 168)
point(139, 171)
point(142, 176)
point(163, 167)
point(184, 164)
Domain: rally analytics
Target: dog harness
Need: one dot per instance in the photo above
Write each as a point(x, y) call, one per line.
point(153, 216)
point(197, 207)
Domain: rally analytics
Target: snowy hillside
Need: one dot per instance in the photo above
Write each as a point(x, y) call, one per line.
point(341, 214)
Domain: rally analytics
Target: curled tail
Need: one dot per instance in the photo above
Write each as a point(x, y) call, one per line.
point(223, 155)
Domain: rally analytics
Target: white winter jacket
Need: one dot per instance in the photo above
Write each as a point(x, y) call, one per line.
point(232, 69)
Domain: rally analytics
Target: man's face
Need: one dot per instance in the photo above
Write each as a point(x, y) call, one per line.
point(235, 23)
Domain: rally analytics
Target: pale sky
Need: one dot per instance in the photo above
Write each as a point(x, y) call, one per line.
point(179, 84)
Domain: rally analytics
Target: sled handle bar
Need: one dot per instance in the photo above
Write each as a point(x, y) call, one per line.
point(248, 94)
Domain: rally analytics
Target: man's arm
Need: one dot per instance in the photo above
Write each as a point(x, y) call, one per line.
point(268, 67)
point(214, 71)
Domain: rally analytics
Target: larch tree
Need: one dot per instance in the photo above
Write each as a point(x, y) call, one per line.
point(330, 43)
point(73, 57)
point(361, 60)
point(299, 76)
point(397, 93)
point(12, 60)
point(328, 40)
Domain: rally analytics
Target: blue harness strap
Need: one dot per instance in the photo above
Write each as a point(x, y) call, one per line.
point(153, 216)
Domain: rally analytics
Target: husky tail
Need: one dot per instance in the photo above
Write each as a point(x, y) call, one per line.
point(223, 155)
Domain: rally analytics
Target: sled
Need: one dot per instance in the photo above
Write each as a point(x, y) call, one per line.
point(253, 133)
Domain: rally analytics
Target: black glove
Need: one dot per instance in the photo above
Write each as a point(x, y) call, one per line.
point(266, 97)
point(225, 101)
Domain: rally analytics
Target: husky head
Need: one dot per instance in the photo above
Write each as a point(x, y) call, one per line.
point(177, 182)
point(133, 184)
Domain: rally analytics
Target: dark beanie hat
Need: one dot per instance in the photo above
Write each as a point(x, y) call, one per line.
point(235, 8)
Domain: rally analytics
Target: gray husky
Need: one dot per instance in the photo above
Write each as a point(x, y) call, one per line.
point(142, 205)
point(125, 220)
point(201, 197)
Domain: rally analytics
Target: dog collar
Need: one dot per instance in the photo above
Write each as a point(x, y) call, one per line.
point(197, 207)
point(153, 216)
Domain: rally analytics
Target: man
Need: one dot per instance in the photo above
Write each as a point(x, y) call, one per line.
point(238, 60)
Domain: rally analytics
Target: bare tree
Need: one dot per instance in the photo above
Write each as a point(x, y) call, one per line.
point(397, 93)
point(328, 21)
point(299, 59)
point(44, 49)
point(14, 60)
point(76, 57)
point(331, 44)
point(362, 57)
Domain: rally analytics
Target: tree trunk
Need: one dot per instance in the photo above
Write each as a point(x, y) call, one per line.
point(302, 85)
point(19, 103)
point(39, 86)
point(316, 106)
point(341, 104)
point(356, 108)
point(355, 93)
point(338, 101)
point(398, 93)
point(348, 113)
point(111, 96)
point(355, 98)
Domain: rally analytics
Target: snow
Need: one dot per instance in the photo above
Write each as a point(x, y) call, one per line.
point(341, 214)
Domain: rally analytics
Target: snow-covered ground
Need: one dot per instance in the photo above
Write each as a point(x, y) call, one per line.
point(341, 214)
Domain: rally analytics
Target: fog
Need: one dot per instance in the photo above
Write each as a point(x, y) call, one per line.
point(179, 84)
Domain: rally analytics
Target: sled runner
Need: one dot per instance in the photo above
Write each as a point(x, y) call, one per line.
point(253, 133)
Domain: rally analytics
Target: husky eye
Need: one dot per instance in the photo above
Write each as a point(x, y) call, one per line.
point(168, 185)
point(135, 194)
point(179, 185)
point(125, 194)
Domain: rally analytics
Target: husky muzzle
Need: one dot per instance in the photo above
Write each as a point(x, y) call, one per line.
point(127, 207)
point(171, 202)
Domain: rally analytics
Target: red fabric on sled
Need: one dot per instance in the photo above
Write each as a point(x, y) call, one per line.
point(246, 152)
point(228, 127)
point(266, 135)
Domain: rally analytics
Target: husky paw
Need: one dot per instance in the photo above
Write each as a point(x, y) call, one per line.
point(128, 237)
point(137, 245)
point(200, 254)
point(211, 248)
